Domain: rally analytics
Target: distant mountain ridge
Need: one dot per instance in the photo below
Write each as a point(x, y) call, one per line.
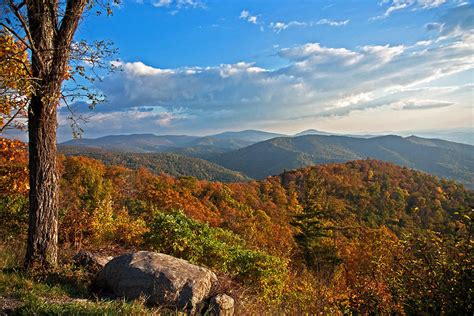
point(142, 143)
point(438, 157)
point(312, 132)
point(133, 142)
point(204, 146)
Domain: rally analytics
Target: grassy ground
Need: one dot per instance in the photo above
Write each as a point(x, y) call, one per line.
point(61, 292)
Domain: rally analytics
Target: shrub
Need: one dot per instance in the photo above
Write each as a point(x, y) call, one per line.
point(118, 226)
point(180, 236)
point(13, 216)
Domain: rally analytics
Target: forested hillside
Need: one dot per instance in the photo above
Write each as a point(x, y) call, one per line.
point(438, 157)
point(357, 237)
point(172, 164)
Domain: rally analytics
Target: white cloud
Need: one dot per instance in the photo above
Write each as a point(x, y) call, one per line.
point(280, 26)
point(162, 3)
point(190, 4)
point(333, 22)
point(383, 54)
point(314, 53)
point(415, 104)
point(429, 4)
point(252, 19)
point(245, 15)
point(397, 5)
point(177, 4)
point(140, 69)
point(423, 43)
point(353, 100)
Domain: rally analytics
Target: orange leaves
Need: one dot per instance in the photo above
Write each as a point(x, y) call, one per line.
point(13, 167)
point(371, 271)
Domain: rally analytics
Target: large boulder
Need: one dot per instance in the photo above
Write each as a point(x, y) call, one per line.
point(161, 279)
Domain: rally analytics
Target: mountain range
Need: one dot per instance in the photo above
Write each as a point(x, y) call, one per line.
point(438, 157)
point(165, 143)
point(258, 154)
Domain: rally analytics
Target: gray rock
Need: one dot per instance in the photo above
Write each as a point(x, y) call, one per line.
point(91, 261)
point(161, 279)
point(221, 305)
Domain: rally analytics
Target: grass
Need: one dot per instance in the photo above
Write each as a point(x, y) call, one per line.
point(60, 292)
point(36, 306)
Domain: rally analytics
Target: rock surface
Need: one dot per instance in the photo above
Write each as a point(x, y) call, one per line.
point(221, 305)
point(91, 261)
point(161, 279)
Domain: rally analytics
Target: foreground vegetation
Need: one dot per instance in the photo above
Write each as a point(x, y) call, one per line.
point(360, 237)
point(63, 291)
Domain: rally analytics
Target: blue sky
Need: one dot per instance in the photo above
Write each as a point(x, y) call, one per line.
point(199, 67)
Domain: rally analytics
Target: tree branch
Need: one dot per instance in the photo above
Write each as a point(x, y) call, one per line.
point(73, 13)
point(9, 29)
point(21, 18)
point(11, 119)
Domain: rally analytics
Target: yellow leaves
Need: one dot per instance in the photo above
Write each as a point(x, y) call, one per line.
point(109, 226)
point(129, 230)
point(15, 79)
point(13, 61)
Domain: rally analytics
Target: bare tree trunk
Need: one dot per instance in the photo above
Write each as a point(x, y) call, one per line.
point(42, 246)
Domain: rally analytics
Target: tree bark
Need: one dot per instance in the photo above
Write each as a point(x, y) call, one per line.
point(42, 248)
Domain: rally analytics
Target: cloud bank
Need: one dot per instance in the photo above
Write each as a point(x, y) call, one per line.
point(316, 83)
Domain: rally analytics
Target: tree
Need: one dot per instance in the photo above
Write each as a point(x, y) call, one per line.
point(46, 29)
point(313, 236)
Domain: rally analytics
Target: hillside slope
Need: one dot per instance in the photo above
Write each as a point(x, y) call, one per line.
point(360, 236)
point(438, 157)
point(172, 164)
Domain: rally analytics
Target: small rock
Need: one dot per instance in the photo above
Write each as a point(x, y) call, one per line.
point(221, 305)
point(161, 279)
point(90, 261)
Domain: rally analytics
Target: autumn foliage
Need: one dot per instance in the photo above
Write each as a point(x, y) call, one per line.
point(361, 237)
point(15, 81)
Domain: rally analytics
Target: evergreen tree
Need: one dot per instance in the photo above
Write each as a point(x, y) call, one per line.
point(314, 236)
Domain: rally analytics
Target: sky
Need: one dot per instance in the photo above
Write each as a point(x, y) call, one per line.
point(353, 66)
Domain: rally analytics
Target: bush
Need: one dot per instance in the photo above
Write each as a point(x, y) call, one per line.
point(13, 217)
point(219, 249)
point(109, 226)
